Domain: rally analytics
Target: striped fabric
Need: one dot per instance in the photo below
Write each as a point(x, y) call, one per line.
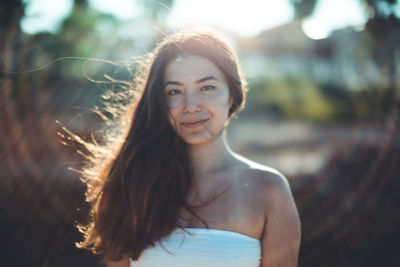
point(202, 247)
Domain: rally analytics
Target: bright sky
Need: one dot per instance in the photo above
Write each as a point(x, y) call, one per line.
point(247, 18)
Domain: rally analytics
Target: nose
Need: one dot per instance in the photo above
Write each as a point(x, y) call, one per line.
point(191, 103)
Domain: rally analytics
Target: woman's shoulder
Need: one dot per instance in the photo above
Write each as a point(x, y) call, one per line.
point(266, 179)
point(270, 187)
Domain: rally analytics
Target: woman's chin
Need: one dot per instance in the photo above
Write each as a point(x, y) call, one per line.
point(200, 137)
point(196, 140)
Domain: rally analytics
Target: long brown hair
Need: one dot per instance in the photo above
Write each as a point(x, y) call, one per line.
point(138, 182)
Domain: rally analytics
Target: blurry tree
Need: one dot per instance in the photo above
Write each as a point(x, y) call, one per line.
point(77, 37)
point(290, 98)
point(303, 8)
point(80, 3)
point(87, 33)
point(11, 12)
point(38, 198)
point(380, 8)
point(361, 180)
point(383, 29)
point(381, 38)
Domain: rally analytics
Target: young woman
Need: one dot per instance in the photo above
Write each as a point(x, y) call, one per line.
point(172, 193)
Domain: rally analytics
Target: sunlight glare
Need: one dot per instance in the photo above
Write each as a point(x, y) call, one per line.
point(314, 30)
point(122, 9)
point(246, 18)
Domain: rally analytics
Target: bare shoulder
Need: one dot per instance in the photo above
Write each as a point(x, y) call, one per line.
point(270, 184)
point(281, 233)
point(267, 178)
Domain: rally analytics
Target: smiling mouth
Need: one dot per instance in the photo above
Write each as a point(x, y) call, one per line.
point(194, 124)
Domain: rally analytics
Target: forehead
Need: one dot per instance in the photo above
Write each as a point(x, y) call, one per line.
point(191, 67)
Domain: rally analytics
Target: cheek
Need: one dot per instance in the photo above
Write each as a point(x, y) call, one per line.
point(175, 102)
point(218, 100)
point(222, 103)
point(220, 114)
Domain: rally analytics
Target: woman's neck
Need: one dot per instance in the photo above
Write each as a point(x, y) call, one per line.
point(210, 157)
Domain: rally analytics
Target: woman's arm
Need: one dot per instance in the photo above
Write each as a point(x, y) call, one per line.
point(281, 238)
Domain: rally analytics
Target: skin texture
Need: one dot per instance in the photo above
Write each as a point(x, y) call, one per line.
point(125, 262)
point(256, 199)
point(196, 90)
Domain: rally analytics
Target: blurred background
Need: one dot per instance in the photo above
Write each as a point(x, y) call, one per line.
point(323, 108)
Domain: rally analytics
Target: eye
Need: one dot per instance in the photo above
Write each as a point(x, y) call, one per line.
point(173, 92)
point(208, 88)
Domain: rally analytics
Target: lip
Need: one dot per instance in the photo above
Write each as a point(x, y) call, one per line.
point(193, 123)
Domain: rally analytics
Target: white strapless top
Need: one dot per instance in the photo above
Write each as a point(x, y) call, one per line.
point(202, 247)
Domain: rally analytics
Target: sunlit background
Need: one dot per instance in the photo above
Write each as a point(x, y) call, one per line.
point(323, 108)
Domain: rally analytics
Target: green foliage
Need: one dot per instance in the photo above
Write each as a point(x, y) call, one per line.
point(291, 98)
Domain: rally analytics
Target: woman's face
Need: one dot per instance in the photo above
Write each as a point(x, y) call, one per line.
point(198, 98)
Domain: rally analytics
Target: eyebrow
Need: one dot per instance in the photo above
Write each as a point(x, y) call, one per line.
point(210, 77)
